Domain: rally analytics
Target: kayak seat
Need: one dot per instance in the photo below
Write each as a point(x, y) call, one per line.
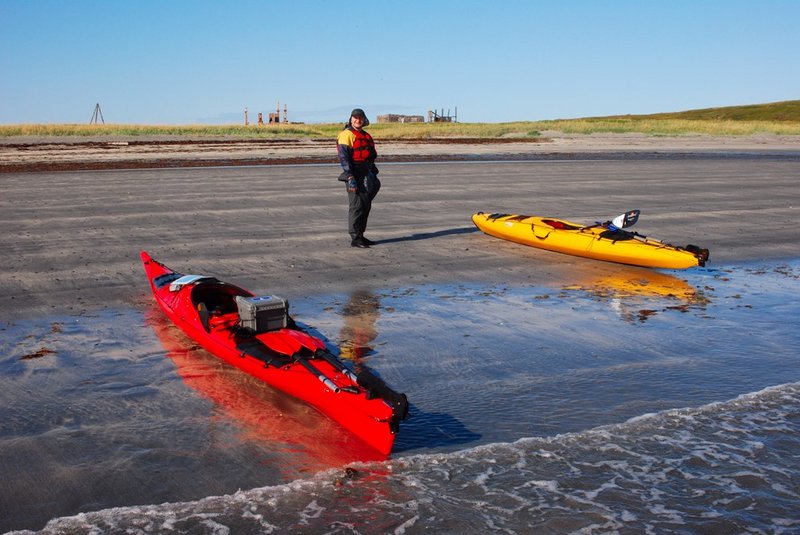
point(202, 313)
point(217, 298)
point(216, 305)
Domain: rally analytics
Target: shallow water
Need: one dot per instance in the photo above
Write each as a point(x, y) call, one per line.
point(532, 407)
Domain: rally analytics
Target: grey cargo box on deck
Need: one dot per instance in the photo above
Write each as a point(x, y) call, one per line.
point(262, 314)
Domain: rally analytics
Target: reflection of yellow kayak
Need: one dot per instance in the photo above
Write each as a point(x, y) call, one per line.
point(642, 283)
point(637, 294)
point(597, 241)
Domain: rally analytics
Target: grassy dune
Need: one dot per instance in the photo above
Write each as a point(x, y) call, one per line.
point(786, 112)
point(779, 118)
point(672, 127)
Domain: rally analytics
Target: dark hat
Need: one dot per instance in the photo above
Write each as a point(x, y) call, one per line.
point(358, 112)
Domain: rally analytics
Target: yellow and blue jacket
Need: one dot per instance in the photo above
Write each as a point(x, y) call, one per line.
point(356, 150)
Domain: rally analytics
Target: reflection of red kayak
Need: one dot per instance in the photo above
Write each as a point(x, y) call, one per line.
point(265, 416)
point(219, 316)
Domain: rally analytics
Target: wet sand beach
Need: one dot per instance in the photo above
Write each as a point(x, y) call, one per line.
point(71, 237)
point(536, 379)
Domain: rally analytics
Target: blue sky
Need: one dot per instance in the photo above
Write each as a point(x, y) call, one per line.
point(204, 62)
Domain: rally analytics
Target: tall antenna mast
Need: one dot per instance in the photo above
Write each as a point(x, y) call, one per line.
point(97, 114)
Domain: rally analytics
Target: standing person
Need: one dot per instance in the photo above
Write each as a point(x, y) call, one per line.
point(357, 155)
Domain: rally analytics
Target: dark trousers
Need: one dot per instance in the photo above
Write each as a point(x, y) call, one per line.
point(361, 204)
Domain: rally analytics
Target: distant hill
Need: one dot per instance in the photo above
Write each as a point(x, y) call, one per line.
point(786, 111)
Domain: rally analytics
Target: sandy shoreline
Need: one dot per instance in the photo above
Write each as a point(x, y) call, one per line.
point(28, 154)
point(71, 238)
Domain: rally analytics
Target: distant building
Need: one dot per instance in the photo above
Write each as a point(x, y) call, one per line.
point(436, 117)
point(395, 118)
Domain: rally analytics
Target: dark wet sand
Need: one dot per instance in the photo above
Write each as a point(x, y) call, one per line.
point(71, 239)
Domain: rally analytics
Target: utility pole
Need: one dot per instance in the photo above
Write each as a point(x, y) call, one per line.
point(97, 114)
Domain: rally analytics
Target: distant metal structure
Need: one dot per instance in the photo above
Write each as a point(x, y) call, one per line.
point(275, 118)
point(97, 114)
point(436, 117)
point(397, 118)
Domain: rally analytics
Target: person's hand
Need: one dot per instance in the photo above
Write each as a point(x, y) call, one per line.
point(352, 187)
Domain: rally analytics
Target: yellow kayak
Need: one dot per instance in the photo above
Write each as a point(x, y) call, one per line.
point(602, 241)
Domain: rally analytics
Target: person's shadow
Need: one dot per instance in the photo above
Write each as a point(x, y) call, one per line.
point(429, 235)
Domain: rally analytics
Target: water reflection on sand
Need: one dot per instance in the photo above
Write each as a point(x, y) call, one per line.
point(120, 408)
point(358, 333)
point(622, 288)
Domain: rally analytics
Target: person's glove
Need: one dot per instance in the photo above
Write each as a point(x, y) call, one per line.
point(352, 187)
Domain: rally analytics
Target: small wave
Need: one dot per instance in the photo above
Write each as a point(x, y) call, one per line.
point(728, 466)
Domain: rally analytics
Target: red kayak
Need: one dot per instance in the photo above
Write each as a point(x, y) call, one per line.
point(257, 335)
point(263, 415)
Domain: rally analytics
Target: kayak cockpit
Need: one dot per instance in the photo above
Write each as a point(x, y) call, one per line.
point(560, 225)
point(222, 305)
point(218, 297)
point(215, 302)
